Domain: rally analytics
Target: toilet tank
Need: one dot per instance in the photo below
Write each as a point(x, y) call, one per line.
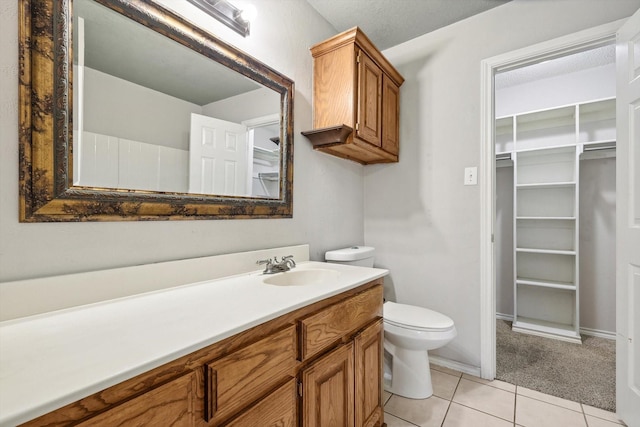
point(355, 255)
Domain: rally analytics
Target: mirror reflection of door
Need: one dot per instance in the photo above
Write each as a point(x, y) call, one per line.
point(218, 159)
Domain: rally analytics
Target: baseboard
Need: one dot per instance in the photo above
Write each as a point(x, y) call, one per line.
point(501, 316)
point(583, 331)
point(456, 366)
point(598, 333)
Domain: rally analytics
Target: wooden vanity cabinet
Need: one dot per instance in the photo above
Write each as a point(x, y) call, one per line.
point(344, 387)
point(172, 404)
point(316, 366)
point(357, 90)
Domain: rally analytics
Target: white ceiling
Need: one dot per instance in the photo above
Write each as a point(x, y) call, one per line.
point(592, 58)
point(391, 22)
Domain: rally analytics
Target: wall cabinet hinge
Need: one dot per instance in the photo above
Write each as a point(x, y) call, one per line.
point(358, 58)
point(299, 389)
point(357, 126)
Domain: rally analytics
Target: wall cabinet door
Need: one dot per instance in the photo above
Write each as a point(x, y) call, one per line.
point(327, 390)
point(368, 374)
point(390, 116)
point(369, 120)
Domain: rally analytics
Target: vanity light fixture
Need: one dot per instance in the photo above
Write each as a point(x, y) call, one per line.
point(226, 13)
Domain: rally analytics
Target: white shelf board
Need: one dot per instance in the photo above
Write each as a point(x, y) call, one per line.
point(568, 286)
point(546, 185)
point(552, 218)
point(545, 251)
point(547, 329)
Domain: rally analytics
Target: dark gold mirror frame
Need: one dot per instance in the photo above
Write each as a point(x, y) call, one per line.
point(45, 109)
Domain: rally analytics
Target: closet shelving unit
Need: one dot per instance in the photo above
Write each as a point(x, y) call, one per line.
point(545, 147)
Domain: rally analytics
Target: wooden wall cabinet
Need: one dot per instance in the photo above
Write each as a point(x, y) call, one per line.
point(316, 366)
point(355, 100)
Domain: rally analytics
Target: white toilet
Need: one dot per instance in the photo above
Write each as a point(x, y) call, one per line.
point(409, 331)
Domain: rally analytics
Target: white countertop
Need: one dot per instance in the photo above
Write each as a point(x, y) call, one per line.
point(53, 359)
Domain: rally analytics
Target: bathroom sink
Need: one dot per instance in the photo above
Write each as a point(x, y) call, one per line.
point(305, 277)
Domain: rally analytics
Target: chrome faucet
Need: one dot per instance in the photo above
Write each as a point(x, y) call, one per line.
point(272, 266)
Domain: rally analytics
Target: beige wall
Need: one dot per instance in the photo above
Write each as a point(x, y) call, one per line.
point(424, 222)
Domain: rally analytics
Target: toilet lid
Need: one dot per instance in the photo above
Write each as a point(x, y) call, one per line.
point(413, 317)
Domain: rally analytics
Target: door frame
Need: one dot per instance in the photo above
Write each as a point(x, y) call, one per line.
point(562, 46)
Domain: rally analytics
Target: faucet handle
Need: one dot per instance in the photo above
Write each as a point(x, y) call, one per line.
point(264, 261)
point(289, 259)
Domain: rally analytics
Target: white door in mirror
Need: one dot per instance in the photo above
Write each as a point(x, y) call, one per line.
point(218, 158)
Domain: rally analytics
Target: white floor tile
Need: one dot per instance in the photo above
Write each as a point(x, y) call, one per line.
point(535, 413)
point(491, 400)
point(575, 406)
point(495, 383)
point(599, 422)
point(422, 412)
point(461, 416)
point(600, 413)
point(444, 385)
point(396, 422)
point(385, 397)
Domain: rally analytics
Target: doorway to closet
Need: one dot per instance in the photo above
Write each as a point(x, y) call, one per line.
point(555, 226)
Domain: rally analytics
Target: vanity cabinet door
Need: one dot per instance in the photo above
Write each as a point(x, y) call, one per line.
point(278, 409)
point(171, 404)
point(368, 353)
point(327, 390)
point(327, 327)
point(235, 381)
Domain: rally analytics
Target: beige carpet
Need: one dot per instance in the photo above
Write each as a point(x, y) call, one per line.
point(583, 373)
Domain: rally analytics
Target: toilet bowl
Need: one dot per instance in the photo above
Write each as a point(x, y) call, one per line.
point(409, 332)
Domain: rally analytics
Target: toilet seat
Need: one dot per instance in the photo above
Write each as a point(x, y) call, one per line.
point(416, 318)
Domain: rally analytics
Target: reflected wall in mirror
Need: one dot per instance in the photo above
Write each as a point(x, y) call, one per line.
point(165, 121)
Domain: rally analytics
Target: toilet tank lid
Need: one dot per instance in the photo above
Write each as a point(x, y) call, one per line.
point(354, 253)
point(416, 317)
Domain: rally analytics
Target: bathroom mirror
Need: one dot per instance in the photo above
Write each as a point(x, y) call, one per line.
point(129, 112)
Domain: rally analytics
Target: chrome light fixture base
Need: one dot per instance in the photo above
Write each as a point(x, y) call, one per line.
point(224, 12)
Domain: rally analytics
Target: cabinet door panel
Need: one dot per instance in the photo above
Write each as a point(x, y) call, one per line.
point(171, 404)
point(369, 123)
point(278, 409)
point(322, 329)
point(390, 116)
point(245, 375)
point(327, 396)
point(368, 374)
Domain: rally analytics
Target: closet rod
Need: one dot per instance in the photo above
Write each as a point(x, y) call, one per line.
point(600, 146)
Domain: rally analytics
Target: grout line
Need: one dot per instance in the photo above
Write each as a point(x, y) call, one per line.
point(586, 423)
point(471, 378)
point(400, 418)
point(515, 405)
point(451, 401)
point(486, 413)
point(550, 403)
point(395, 416)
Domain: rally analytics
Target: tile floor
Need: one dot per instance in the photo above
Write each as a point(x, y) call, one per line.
point(466, 401)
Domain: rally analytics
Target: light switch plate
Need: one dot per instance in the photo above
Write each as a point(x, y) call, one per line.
point(471, 175)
